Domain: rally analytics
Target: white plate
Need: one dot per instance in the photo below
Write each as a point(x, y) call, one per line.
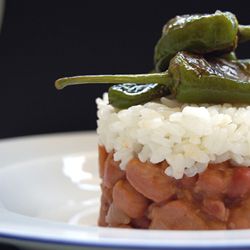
point(47, 202)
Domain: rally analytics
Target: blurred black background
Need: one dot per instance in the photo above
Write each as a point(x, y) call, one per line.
point(41, 41)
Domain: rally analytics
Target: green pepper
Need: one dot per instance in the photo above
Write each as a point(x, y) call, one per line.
point(143, 89)
point(129, 94)
point(229, 56)
point(190, 79)
point(209, 33)
point(196, 79)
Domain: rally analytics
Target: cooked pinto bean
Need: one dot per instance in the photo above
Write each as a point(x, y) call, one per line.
point(188, 182)
point(212, 182)
point(106, 200)
point(215, 208)
point(142, 223)
point(102, 158)
point(149, 212)
point(150, 180)
point(128, 200)
point(116, 216)
point(103, 212)
point(240, 185)
point(112, 172)
point(177, 215)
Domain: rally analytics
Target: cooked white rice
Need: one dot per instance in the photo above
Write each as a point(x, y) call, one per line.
point(188, 137)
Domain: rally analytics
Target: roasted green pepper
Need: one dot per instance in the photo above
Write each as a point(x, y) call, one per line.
point(229, 56)
point(129, 94)
point(209, 33)
point(190, 79)
point(134, 89)
point(212, 80)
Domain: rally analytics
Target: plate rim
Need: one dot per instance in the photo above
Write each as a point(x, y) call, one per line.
point(110, 237)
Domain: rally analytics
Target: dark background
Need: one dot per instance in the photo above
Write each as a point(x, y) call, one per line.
point(41, 41)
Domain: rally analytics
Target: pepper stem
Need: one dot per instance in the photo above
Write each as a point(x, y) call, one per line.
point(161, 78)
point(244, 33)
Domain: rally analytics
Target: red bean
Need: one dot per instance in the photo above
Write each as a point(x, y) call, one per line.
point(102, 158)
point(106, 201)
point(142, 223)
point(128, 200)
point(177, 215)
point(150, 180)
point(188, 182)
point(112, 172)
point(212, 182)
point(215, 208)
point(240, 185)
point(116, 216)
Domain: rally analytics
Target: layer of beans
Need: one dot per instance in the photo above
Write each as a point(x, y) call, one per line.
point(144, 197)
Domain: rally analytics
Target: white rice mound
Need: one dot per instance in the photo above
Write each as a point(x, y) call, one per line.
point(188, 137)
